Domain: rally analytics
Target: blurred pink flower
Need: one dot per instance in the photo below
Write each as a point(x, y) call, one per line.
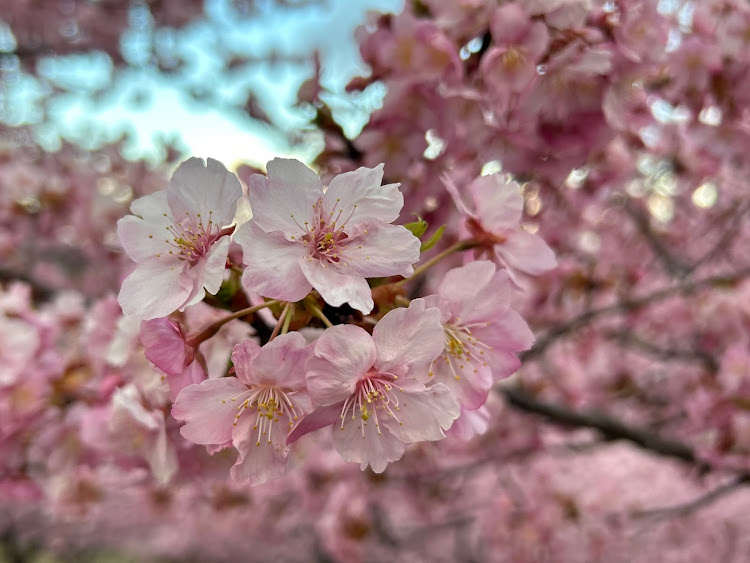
point(177, 237)
point(493, 219)
point(301, 238)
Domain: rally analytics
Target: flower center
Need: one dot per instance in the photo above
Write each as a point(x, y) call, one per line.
point(271, 405)
point(373, 398)
point(326, 237)
point(462, 347)
point(192, 238)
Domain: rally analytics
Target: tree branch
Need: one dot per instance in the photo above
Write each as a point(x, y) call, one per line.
point(610, 428)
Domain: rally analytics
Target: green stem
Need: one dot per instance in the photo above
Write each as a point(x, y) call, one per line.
point(287, 320)
point(318, 313)
point(282, 319)
point(458, 247)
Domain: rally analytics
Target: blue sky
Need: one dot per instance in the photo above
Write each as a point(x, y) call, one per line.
point(165, 110)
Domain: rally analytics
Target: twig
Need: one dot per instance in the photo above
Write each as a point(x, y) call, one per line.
point(610, 428)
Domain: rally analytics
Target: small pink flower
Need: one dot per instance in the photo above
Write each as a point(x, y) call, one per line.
point(301, 238)
point(493, 219)
point(482, 332)
point(165, 345)
point(179, 239)
point(369, 387)
point(255, 410)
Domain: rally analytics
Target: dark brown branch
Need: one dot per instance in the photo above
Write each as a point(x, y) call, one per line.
point(610, 428)
point(583, 319)
point(699, 502)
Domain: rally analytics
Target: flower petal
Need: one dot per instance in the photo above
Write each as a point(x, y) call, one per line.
point(273, 268)
point(315, 420)
point(242, 358)
point(361, 197)
point(284, 201)
point(281, 362)
point(208, 189)
point(361, 443)
point(527, 252)
point(499, 202)
point(335, 287)
point(424, 414)
point(210, 409)
point(164, 345)
point(259, 460)
point(342, 354)
point(380, 250)
point(155, 289)
point(409, 338)
point(143, 237)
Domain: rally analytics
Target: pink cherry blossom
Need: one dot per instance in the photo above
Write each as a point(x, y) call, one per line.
point(369, 386)
point(165, 345)
point(482, 332)
point(270, 381)
point(493, 217)
point(178, 239)
point(301, 238)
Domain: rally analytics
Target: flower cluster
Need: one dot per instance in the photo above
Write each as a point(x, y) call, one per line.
point(382, 380)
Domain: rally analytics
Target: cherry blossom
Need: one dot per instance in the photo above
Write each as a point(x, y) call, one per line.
point(302, 238)
point(369, 385)
point(254, 411)
point(179, 239)
point(492, 218)
point(482, 332)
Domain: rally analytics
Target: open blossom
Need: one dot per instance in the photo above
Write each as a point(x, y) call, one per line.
point(493, 219)
point(368, 386)
point(482, 332)
point(179, 239)
point(255, 410)
point(302, 238)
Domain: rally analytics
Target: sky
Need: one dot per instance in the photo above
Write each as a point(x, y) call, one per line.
point(149, 107)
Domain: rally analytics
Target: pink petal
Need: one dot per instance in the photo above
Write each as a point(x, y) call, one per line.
point(490, 301)
point(143, 238)
point(164, 345)
point(472, 387)
point(373, 449)
point(457, 199)
point(215, 265)
point(284, 200)
point(258, 462)
point(471, 423)
point(315, 420)
point(281, 362)
point(192, 374)
point(273, 268)
point(424, 414)
point(461, 284)
point(362, 188)
point(381, 250)
point(335, 287)
point(508, 332)
point(499, 202)
point(209, 409)
point(342, 354)
point(409, 338)
point(206, 188)
point(527, 252)
point(242, 358)
point(154, 289)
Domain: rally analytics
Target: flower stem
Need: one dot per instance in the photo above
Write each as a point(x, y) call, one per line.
point(211, 329)
point(318, 313)
point(282, 320)
point(288, 320)
point(458, 247)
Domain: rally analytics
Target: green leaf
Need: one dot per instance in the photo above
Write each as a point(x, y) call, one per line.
point(433, 240)
point(418, 227)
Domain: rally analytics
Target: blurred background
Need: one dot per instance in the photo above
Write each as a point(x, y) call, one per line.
point(624, 436)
